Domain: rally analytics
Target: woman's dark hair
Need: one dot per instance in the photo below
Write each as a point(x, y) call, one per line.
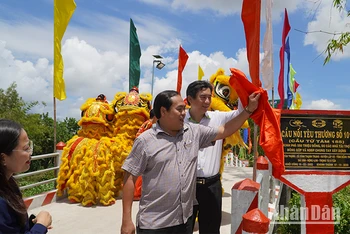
point(197, 86)
point(163, 99)
point(9, 190)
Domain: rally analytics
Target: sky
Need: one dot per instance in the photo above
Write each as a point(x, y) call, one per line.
point(95, 48)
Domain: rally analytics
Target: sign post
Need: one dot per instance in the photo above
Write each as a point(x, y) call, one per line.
point(317, 161)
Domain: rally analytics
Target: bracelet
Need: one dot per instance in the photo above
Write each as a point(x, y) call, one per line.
point(247, 110)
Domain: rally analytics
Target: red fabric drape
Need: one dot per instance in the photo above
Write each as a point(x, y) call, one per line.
point(286, 29)
point(182, 63)
point(251, 20)
point(264, 116)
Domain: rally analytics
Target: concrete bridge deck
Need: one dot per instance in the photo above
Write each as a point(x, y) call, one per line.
point(73, 218)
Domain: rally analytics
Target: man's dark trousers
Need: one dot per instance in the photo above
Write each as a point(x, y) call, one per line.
point(209, 197)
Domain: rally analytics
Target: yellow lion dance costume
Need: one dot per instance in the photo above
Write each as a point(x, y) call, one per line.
point(91, 162)
point(225, 98)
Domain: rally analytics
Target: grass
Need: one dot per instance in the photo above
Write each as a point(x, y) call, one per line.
point(40, 188)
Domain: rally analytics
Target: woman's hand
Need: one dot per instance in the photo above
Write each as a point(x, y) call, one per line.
point(44, 218)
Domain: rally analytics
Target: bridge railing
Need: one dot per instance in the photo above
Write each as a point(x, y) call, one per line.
point(55, 168)
point(232, 160)
point(269, 194)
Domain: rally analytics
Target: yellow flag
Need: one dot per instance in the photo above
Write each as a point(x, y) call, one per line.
point(63, 11)
point(200, 73)
point(298, 101)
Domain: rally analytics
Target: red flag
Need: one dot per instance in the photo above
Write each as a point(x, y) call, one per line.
point(296, 85)
point(286, 28)
point(251, 20)
point(267, 118)
point(182, 63)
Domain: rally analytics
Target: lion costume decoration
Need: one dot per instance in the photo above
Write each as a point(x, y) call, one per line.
point(91, 161)
point(225, 98)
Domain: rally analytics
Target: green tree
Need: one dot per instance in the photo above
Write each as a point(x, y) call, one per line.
point(335, 45)
point(66, 129)
point(39, 127)
point(12, 105)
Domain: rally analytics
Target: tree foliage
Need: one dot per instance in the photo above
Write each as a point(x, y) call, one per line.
point(39, 127)
point(340, 200)
point(335, 45)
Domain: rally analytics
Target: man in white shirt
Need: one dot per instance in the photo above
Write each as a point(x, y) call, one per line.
point(209, 188)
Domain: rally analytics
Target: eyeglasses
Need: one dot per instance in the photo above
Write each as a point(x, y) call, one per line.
point(30, 148)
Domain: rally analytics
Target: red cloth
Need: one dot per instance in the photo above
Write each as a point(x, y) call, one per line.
point(267, 118)
point(286, 28)
point(182, 63)
point(138, 188)
point(138, 184)
point(251, 20)
point(145, 125)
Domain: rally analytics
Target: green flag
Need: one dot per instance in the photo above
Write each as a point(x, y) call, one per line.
point(134, 57)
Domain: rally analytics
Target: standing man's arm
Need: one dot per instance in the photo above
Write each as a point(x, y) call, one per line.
point(234, 124)
point(128, 226)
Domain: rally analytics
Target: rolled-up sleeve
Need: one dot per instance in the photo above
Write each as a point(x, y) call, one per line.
point(136, 161)
point(207, 135)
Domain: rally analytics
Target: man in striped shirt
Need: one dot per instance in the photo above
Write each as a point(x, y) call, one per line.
point(166, 157)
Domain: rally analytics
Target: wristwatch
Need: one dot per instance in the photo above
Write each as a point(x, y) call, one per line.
point(247, 110)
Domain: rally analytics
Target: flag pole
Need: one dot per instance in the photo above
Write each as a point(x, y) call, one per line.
point(62, 11)
point(54, 124)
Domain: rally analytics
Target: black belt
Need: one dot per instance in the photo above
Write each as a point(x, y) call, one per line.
point(208, 180)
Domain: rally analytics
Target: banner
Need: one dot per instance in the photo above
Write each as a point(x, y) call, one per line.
point(63, 11)
point(251, 20)
point(134, 58)
point(200, 73)
point(267, 62)
point(183, 57)
point(286, 29)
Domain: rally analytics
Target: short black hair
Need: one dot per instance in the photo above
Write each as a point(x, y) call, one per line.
point(163, 99)
point(151, 114)
point(197, 86)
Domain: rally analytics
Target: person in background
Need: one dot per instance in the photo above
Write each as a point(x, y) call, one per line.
point(15, 153)
point(166, 157)
point(145, 126)
point(209, 187)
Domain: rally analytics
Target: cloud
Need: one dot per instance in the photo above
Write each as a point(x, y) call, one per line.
point(210, 64)
point(328, 20)
point(89, 72)
point(223, 7)
point(322, 104)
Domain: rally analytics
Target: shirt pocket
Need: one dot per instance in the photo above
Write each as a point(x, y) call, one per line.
point(189, 151)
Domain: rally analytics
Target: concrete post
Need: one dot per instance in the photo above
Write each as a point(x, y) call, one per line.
point(262, 166)
point(59, 148)
point(255, 222)
point(244, 195)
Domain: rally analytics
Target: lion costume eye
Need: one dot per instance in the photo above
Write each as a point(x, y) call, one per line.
point(223, 91)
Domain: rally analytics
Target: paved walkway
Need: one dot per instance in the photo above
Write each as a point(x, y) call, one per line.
point(73, 218)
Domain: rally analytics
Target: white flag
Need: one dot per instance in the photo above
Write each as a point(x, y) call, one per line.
point(267, 62)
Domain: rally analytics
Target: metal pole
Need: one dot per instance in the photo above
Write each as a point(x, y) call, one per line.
point(152, 81)
point(255, 150)
point(54, 124)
